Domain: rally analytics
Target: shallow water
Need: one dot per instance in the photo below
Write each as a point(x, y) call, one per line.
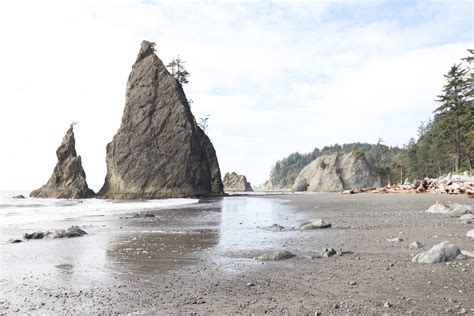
point(118, 246)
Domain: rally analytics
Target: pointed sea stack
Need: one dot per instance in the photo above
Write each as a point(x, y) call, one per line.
point(159, 151)
point(68, 180)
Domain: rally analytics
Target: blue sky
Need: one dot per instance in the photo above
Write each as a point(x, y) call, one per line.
point(275, 77)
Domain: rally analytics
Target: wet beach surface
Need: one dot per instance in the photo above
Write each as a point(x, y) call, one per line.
point(199, 258)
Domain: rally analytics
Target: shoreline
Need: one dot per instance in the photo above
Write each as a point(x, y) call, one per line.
point(215, 244)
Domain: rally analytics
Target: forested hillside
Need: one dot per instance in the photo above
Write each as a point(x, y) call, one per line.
point(444, 144)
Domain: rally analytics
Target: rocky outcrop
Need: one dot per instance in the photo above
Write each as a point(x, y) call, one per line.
point(234, 182)
point(68, 180)
point(336, 173)
point(159, 151)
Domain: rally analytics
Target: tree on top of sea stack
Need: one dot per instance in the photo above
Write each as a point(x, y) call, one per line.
point(68, 180)
point(159, 151)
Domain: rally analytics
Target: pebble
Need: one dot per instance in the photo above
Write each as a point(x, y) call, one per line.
point(352, 283)
point(387, 305)
point(250, 284)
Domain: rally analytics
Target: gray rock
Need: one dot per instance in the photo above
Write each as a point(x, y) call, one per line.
point(336, 173)
point(451, 209)
point(323, 253)
point(441, 252)
point(387, 305)
point(467, 217)
point(276, 228)
point(416, 244)
point(35, 235)
point(68, 180)
point(73, 231)
point(398, 239)
point(314, 224)
point(20, 196)
point(234, 182)
point(15, 241)
point(159, 151)
point(275, 256)
point(470, 234)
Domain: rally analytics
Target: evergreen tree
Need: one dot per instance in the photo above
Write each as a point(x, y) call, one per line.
point(178, 71)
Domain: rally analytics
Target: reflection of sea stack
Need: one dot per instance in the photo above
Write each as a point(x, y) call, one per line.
point(336, 172)
point(234, 182)
point(159, 151)
point(68, 179)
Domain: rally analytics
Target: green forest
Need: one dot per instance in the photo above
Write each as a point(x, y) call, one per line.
point(445, 143)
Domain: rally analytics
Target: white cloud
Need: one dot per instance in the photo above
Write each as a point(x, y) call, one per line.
point(275, 77)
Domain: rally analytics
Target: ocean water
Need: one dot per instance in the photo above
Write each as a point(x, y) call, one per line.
point(22, 212)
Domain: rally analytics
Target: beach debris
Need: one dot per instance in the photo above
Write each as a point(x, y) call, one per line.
point(275, 256)
point(450, 208)
point(416, 244)
point(276, 228)
point(397, 239)
point(20, 196)
point(349, 192)
point(442, 252)
point(314, 224)
point(470, 234)
point(73, 231)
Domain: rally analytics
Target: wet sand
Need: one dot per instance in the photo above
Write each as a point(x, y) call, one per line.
point(198, 259)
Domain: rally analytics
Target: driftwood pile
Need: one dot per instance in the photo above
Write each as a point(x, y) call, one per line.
point(450, 184)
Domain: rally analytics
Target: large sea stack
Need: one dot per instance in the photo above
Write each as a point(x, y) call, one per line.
point(159, 151)
point(337, 172)
point(68, 180)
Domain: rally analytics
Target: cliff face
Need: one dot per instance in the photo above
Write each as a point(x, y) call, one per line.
point(234, 182)
point(159, 151)
point(336, 172)
point(68, 179)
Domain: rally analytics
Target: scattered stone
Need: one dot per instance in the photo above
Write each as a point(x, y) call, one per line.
point(387, 305)
point(68, 180)
point(348, 192)
point(73, 231)
point(467, 217)
point(20, 196)
point(275, 256)
point(398, 239)
point(15, 241)
point(451, 209)
point(276, 228)
point(250, 284)
point(353, 283)
point(470, 234)
point(159, 150)
point(234, 182)
point(441, 252)
point(416, 244)
point(314, 224)
point(335, 306)
point(323, 253)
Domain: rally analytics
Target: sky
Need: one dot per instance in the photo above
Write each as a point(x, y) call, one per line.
point(275, 77)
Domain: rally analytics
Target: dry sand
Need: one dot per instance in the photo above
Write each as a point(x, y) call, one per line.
point(199, 260)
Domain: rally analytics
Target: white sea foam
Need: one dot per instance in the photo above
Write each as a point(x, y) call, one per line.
point(32, 210)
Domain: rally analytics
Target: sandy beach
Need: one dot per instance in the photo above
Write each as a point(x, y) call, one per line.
point(198, 258)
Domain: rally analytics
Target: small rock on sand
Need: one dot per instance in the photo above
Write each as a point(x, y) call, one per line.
point(15, 241)
point(451, 209)
point(323, 253)
point(20, 196)
point(398, 239)
point(470, 234)
point(73, 231)
point(314, 224)
point(276, 228)
point(416, 244)
point(445, 251)
point(275, 256)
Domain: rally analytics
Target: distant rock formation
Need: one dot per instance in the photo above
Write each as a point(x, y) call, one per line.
point(234, 182)
point(159, 151)
point(68, 180)
point(336, 173)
